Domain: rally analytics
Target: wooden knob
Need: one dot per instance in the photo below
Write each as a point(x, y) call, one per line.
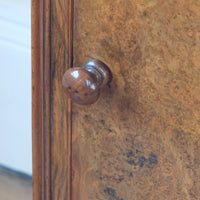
point(83, 84)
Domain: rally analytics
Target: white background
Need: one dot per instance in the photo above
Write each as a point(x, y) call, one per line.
point(15, 85)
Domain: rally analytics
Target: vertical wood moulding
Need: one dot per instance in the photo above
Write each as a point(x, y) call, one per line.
point(61, 56)
point(69, 105)
point(47, 96)
point(37, 100)
point(51, 111)
point(70, 64)
point(41, 98)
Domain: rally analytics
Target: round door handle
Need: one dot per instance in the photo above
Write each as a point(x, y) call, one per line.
point(83, 84)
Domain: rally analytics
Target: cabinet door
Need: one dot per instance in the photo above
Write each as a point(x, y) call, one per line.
point(141, 139)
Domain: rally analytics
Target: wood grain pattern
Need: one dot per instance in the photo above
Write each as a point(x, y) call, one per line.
point(61, 59)
point(83, 88)
point(83, 84)
point(141, 140)
point(39, 178)
point(51, 56)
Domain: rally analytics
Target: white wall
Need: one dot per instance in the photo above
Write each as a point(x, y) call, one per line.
point(15, 85)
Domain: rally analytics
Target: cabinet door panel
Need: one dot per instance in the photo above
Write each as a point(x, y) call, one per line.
point(141, 139)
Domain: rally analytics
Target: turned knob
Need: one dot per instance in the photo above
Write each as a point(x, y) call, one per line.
point(83, 84)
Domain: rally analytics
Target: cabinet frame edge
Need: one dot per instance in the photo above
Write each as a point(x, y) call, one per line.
point(41, 23)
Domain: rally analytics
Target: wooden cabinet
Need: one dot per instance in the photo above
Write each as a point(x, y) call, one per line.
point(141, 139)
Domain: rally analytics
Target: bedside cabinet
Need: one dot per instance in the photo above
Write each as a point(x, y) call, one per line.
point(138, 137)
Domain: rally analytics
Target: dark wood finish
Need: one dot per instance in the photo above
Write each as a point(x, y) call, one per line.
point(61, 59)
point(38, 102)
point(141, 140)
point(84, 88)
point(51, 34)
point(83, 84)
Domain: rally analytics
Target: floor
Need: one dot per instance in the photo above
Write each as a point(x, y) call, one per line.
point(14, 187)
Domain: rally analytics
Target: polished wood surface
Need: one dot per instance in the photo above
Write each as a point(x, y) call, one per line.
point(141, 140)
point(51, 56)
point(83, 84)
point(40, 180)
point(61, 60)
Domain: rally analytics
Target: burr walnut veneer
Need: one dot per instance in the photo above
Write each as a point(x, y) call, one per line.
point(141, 139)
